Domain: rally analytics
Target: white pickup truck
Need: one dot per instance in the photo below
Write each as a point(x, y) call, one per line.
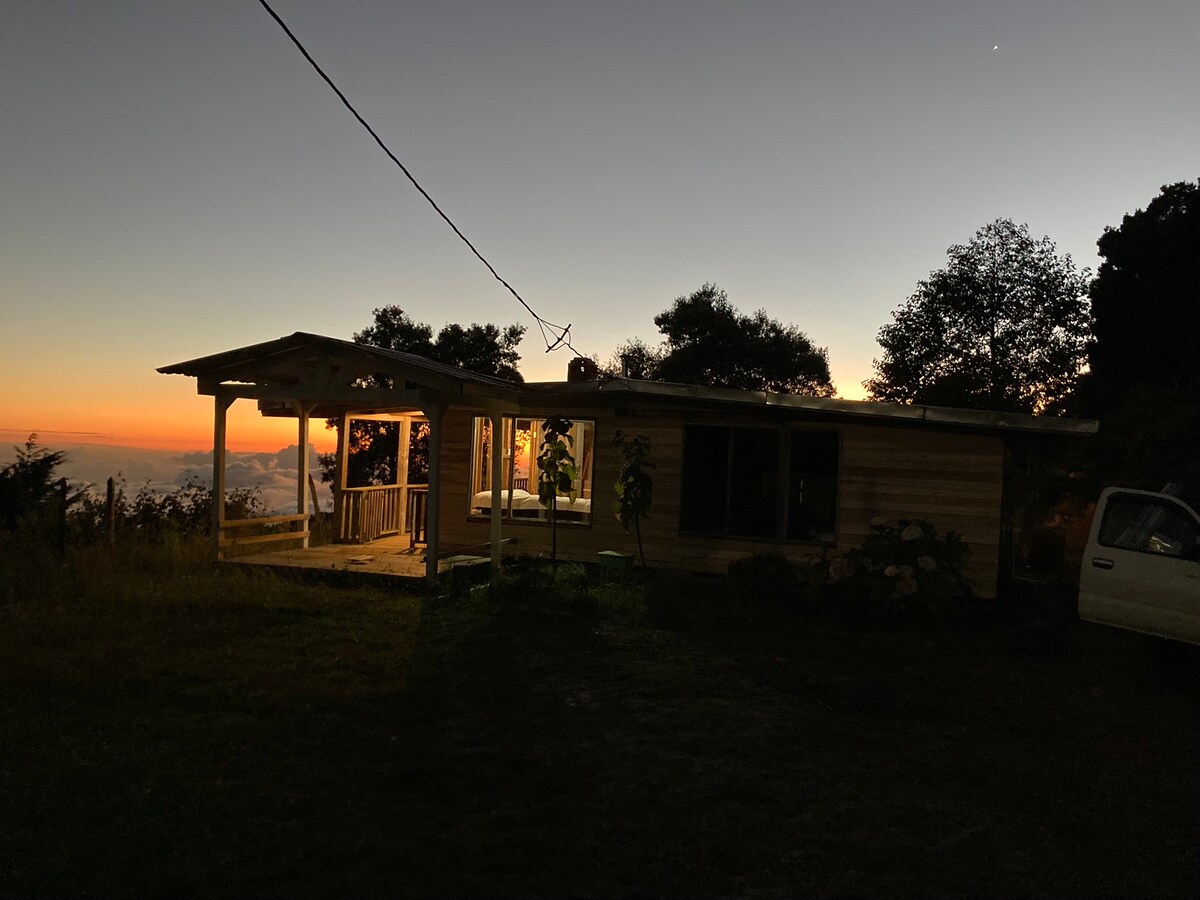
point(1141, 566)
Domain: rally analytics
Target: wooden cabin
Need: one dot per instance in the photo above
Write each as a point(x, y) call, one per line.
point(736, 472)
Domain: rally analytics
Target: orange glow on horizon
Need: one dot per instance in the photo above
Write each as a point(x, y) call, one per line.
point(185, 425)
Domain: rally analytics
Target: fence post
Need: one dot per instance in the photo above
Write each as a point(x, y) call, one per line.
point(110, 510)
point(62, 516)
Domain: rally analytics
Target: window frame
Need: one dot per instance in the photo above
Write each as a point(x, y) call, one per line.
point(785, 433)
point(1162, 502)
point(569, 518)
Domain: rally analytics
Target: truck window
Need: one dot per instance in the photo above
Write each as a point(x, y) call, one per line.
point(1147, 525)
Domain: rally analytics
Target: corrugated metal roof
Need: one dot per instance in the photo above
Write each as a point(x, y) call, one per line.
point(692, 394)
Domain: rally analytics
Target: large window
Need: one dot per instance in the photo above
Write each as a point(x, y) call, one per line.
point(520, 443)
point(767, 483)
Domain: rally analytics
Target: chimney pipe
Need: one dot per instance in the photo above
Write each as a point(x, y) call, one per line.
point(581, 368)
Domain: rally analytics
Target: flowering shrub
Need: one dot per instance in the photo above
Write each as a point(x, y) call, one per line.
point(904, 569)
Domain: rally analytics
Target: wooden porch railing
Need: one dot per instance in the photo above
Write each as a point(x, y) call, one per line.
point(227, 540)
point(367, 513)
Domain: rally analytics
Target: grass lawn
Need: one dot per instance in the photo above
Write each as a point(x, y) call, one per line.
point(168, 729)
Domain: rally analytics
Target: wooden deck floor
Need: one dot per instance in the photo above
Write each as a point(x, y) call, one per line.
point(387, 556)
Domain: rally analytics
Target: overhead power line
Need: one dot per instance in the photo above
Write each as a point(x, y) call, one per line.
point(561, 334)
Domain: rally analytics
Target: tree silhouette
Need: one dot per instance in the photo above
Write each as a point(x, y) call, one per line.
point(634, 488)
point(1003, 326)
point(557, 472)
point(27, 483)
point(709, 342)
point(1146, 296)
point(1144, 384)
point(484, 349)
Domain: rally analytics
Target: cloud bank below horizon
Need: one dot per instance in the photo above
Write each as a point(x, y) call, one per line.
point(273, 475)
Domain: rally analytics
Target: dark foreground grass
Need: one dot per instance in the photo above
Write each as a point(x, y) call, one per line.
point(169, 729)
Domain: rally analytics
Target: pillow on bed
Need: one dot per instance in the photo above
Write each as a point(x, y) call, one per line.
point(564, 504)
point(484, 498)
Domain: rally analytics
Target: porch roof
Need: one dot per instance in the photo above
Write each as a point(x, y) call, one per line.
point(322, 371)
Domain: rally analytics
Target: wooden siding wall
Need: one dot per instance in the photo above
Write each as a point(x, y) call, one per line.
point(952, 479)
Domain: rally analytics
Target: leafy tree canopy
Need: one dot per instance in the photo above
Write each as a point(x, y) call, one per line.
point(709, 342)
point(1146, 296)
point(1144, 381)
point(636, 359)
point(1003, 326)
point(485, 349)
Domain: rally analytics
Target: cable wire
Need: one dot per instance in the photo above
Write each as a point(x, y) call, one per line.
point(561, 334)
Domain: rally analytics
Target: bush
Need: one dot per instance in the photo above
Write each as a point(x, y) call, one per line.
point(903, 571)
point(187, 510)
point(533, 585)
point(28, 485)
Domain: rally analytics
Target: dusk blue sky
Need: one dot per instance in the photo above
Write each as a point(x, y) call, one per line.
point(177, 181)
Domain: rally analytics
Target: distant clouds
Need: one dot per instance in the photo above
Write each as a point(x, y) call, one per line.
point(162, 471)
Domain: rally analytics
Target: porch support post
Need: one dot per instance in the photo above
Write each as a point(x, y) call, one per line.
point(433, 512)
point(402, 470)
point(341, 461)
point(220, 407)
point(497, 460)
point(302, 410)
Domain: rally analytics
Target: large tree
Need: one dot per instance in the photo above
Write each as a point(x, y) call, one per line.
point(486, 349)
point(1003, 326)
point(1145, 385)
point(707, 341)
point(1146, 296)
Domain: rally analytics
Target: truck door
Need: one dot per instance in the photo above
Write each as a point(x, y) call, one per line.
point(1140, 569)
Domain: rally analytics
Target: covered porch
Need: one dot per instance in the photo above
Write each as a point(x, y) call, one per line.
point(389, 525)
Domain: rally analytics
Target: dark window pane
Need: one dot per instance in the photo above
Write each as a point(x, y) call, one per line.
point(812, 486)
point(705, 478)
point(754, 487)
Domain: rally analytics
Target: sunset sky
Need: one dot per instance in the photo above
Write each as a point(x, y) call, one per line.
point(177, 181)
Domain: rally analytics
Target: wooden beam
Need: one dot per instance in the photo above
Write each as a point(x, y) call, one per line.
point(402, 449)
point(433, 512)
point(497, 461)
point(339, 474)
point(267, 538)
point(302, 462)
point(220, 408)
point(262, 520)
point(366, 398)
